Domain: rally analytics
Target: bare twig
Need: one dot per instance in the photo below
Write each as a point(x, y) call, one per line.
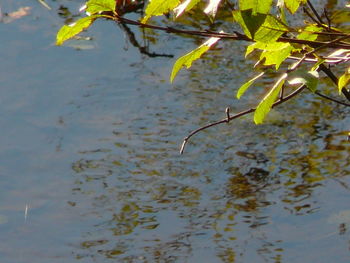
point(332, 99)
point(240, 114)
point(315, 12)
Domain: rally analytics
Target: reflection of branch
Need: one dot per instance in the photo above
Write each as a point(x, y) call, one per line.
point(135, 43)
point(240, 114)
point(234, 36)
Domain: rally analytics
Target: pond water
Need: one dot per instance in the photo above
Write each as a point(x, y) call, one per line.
point(90, 166)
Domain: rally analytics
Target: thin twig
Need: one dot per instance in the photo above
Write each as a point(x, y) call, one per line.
point(332, 99)
point(315, 12)
point(240, 114)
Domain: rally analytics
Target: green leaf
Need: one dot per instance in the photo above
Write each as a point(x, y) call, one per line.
point(257, 6)
point(185, 6)
point(97, 6)
point(343, 81)
point(292, 5)
point(246, 85)
point(276, 56)
point(265, 105)
point(159, 7)
point(309, 33)
point(195, 54)
point(260, 27)
point(68, 31)
point(271, 30)
point(310, 79)
point(250, 23)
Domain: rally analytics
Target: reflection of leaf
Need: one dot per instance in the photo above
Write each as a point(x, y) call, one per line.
point(341, 217)
point(21, 12)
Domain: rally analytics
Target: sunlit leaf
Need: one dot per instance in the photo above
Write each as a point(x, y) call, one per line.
point(185, 6)
point(260, 27)
point(212, 7)
point(246, 85)
point(343, 81)
point(271, 30)
point(97, 6)
point(293, 5)
point(308, 32)
point(257, 6)
point(265, 105)
point(68, 31)
point(188, 59)
point(276, 56)
point(310, 79)
point(159, 7)
point(250, 23)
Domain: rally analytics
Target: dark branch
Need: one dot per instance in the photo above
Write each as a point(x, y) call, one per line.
point(240, 114)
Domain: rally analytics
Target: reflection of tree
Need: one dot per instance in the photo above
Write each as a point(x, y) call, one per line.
point(248, 189)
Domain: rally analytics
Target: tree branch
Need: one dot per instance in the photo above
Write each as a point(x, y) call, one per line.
point(240, 114)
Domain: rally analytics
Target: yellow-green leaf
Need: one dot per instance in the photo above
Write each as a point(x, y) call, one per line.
point(292, 5)
point(68, 31)
point(185, 6)
point(309, 32)
point(246, 85)
point(277, 56)
point(265, 105)
point(250, 23)
point(271, 30)
point(159, 7)
point(257, 6)
point(343, 81)
point(195, 54)
point(97, 6)
point(260, 27)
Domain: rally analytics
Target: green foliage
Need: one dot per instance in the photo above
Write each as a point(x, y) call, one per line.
point(257, 6)
point(67, 32)
point(98, 6)
point(185, 6)
point(308, 78)
point(159, 7)
point(264, 25)
point(246, 85)
point(265, 105)
point(343, 81)
point(293, 5)
point(188, 59)
point(93, 8)
point(260, 27)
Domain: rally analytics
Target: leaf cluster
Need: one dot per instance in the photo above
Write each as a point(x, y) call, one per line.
point(303, 51)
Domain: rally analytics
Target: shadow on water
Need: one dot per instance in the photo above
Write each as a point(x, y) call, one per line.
point(91, 166)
